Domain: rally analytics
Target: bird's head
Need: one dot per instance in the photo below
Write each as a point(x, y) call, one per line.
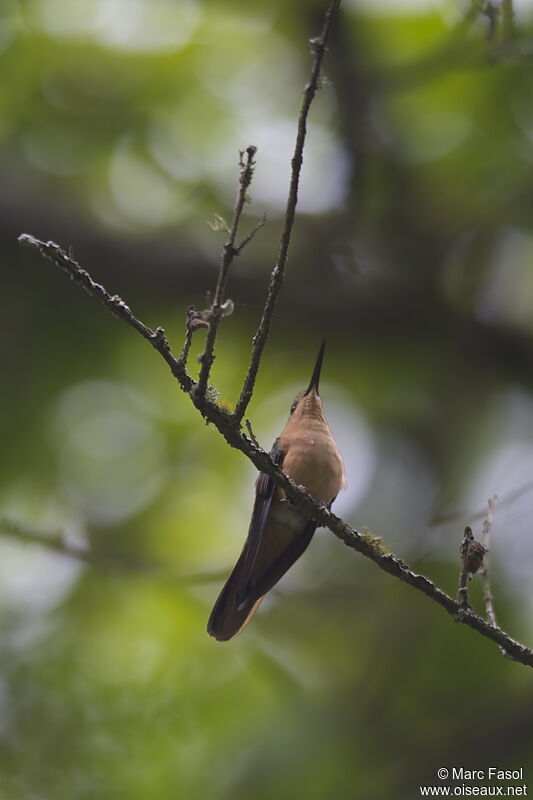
point(308, 403)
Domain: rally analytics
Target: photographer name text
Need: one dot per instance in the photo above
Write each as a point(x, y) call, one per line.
point(490, 774)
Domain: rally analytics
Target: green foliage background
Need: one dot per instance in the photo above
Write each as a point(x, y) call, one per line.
point(120, 125)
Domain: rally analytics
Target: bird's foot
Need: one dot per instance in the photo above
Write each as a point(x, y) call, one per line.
point(288, 499)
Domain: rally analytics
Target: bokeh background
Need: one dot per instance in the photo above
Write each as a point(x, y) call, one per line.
point(120, 126)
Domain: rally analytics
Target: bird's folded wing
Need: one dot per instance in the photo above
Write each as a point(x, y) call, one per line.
point(264, 492)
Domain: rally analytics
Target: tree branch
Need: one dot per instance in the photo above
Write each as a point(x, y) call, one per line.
point(114, 303)
point(229, 425)
point(56, 542)
point(362, 543)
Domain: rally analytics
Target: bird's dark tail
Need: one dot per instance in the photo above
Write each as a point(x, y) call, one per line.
point(229, 616)
point(243, 592)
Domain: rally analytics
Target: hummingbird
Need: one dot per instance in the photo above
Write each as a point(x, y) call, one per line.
point(279, 533)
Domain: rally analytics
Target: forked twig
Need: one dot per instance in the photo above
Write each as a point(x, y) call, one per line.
point(229, 251)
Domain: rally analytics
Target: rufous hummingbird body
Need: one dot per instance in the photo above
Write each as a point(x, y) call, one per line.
point(278, 535)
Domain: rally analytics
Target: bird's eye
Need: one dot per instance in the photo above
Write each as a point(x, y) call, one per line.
point(293, 407)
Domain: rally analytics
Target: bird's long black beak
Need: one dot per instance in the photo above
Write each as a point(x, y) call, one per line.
point(316, 372)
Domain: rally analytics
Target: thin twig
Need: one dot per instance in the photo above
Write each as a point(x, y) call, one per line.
point(52, 540)
point(184, 355)
point(487, 591)
point(257, 227)
point(195, 320)
point(229, 252)
point(476, 516)
point(278, 273)
point(251, 434)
